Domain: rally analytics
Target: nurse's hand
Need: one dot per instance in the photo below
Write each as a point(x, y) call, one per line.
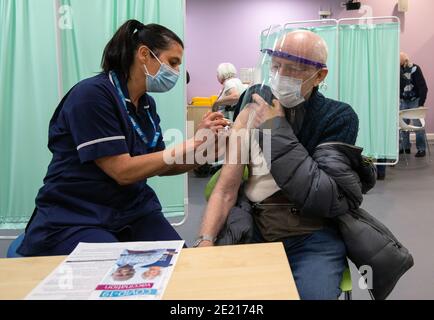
point(213, 121)
point(211, 132)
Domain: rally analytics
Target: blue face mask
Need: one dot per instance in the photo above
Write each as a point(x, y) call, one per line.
point(164, 80)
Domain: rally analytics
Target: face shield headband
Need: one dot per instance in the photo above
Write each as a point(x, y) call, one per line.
point(290, 57)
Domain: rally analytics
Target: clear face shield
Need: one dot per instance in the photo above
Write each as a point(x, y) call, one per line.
point(289, 62)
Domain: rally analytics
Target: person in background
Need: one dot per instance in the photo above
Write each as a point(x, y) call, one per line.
point(232, 87)
point(414, 91)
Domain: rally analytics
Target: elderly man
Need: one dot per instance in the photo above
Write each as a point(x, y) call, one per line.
point(310, 178)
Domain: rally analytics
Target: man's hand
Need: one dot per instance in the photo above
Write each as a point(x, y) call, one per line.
point(205, 243)
point(256, 113)
point(263, 111)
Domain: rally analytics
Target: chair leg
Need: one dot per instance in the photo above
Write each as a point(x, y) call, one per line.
point(402, 145)
point(427, 146)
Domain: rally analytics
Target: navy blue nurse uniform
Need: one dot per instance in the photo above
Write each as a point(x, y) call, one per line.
point(78, 201)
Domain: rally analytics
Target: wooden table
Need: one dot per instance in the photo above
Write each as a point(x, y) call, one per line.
point(247, 272)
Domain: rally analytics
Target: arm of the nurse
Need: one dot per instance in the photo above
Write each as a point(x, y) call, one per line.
point(179, 169)
point(126, 170)
point(176, 169)
point(217, 148)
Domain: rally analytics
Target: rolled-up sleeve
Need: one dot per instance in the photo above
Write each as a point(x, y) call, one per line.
point(96, 129)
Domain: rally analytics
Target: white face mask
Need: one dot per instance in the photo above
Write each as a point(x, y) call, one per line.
point(288, 89)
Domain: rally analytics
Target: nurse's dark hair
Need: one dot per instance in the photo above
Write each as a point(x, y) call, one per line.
point(120, 51)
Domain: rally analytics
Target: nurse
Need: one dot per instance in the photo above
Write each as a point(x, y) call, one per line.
point(106, 141)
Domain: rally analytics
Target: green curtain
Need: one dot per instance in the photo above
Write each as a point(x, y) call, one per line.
point(369, 74)
point(36, 59)
point(331, 84)
point(28, 96)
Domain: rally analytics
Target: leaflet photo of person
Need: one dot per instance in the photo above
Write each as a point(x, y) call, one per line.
point(123, 273)
point(152, 273)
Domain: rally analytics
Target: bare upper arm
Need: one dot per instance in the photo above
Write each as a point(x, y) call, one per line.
point(233, 169)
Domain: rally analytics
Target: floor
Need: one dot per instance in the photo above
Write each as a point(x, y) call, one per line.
point(403, 201)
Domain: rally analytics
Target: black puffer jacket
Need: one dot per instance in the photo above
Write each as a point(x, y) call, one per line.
point(325, 184)
point(329, 184)
point(315, 173)
point(337, 170)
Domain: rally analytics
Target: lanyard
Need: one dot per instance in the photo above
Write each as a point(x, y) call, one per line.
point(136, 126)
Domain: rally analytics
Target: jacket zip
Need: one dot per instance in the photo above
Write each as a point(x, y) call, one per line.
point(273, 205)
point(291, 207)
point(292, 116)
point(378, 229)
